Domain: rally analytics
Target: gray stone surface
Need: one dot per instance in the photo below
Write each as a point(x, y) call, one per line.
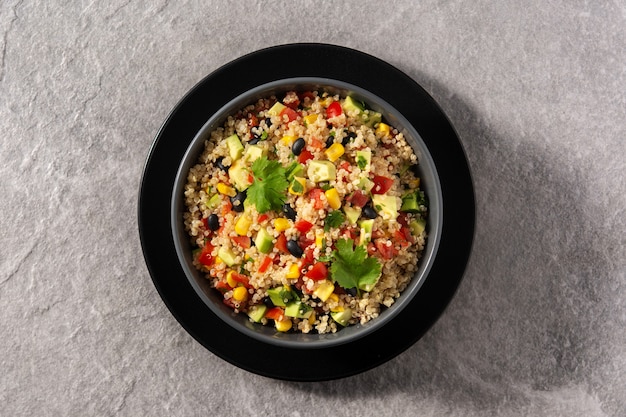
point(537, 92)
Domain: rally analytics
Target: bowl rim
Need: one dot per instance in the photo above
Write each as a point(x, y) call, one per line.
point(239, 321)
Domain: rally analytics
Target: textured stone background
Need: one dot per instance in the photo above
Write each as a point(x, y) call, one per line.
point(537, 92)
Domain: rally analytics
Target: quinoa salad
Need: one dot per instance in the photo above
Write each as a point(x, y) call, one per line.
point(306, 213)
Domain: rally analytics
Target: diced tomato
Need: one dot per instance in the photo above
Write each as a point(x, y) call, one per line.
point(377, 233)
point(265, 264)
point(222, 286)
point(317, 144)
point(387, 252)
point(400, 239)
point(304, 156)
point(205, 257)
point(371, 249)
point(318, 272)
point(230, 303)
point(304, 243)
point(307, 94)
point(403, 219)
point(316, 195)
point(227, 206)
point(243, 241)
point(205, 223)
point(346, 165)
point(407, 234)
point(242, 279)
point(252, 120)
point(333, 110)
point(263, 217)
point(281, 243)
point(358, 199)
point(293, 104)
point(303, 226)
point(275, 313)
point(381, 184)
point(290, 113)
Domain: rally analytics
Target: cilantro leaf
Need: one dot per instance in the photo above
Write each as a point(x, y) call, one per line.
point(334, 219)
point(352, 268)
point(269, 184)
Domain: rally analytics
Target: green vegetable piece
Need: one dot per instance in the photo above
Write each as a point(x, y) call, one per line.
point(213, 202)
point(334, 219)
point(227, 255)
point(364, 159)
point(294, 170)
point(386, 204)
point(281, 296)
point(351, 267)
point(269, 185)
point(319, 171)
point(417, 226)
point(342, 317)
point(298, 309)
point(276, 109)
point(352, 214)
point(256, 312)
point(235, 148)
point(366, 231)
point(350, 104)
point(409, 203)
point(263, 241)
point(253, 152)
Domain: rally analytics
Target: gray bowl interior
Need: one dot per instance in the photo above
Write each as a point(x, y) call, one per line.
point(429, 183)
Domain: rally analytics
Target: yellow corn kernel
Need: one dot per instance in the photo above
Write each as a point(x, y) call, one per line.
point(311, 118)
point(334, 298)
point(324, 290)
point(218, 260)
point(383, 129)
point(312, 318)
point(414, 183)
point(319, 240)
point(335, 151)
point(281, 224)
point(288, 140)
point(240, 294)
point(293, 272)
point(226, 190)
point(326, 101)
point(336, 309)
point(333, 198)
point(283, 325)
point(243, 224)
point(297, 186)
point(230, 280)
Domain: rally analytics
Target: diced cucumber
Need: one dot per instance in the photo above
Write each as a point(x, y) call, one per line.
point(384, 203)
point(213, 202)
point(417, 226)
point(319, 171)
point(298, 309)
point(366, 184)
point(350, 104)
point(276, 109)
point(281, 296)
point(235, 148)
point(227, 255)
point(256, 312)
point(364, 159)
point(352, 214)
point(342, 317)
point(366, 231)
point(409, 203)
point(263, 241)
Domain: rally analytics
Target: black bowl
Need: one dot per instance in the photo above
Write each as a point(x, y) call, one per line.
point(407, 106)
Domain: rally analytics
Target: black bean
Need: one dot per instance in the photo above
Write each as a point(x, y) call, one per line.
point(237, 201)
point(350, 136)
point(298, 146)
point(369, 212)
point(294, 248)
point(219, 162)
point(268, 302)
point(213, 222)
point(289, 212)
point(255, 139)
point(330, 141)
point(268, 121)
point(352, 291)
